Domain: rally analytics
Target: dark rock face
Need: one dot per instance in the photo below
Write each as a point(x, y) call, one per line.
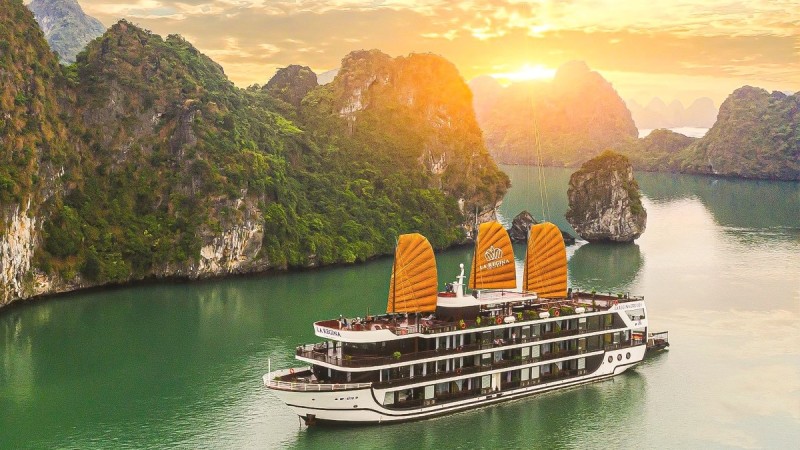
point(521, 226)
point(66, 27)
point(604, 200)
point(292, 83)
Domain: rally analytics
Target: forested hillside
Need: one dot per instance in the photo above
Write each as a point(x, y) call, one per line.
point(143, 160)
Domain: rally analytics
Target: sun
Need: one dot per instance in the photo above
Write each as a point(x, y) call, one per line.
point(527, 72)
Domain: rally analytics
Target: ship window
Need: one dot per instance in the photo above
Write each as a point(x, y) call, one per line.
point(486, 381)
point(429, 392)
point(388, 399)
point(628, 355)
point(610, 358)
point(636, 314)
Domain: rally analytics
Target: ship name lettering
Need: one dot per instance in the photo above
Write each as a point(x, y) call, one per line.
point(328, 331)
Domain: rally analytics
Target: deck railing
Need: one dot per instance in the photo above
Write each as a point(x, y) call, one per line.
point(296, 386)
point(321, 354)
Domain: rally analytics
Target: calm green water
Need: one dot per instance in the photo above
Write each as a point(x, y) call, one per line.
point(180, 365)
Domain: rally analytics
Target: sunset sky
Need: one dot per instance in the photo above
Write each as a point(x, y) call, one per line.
point(680, 49)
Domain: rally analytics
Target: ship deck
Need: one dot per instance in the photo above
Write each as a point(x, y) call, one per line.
point(501, 304)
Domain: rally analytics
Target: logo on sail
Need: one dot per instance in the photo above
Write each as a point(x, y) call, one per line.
point(494, 258)
point(492, 253)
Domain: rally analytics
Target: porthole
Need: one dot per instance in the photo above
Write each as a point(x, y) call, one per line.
point(619, 357)
point(610, 358)
point(628, 355)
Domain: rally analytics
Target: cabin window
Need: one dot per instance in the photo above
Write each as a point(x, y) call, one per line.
point(486, 381)
point(429, 392)
point(388, 398)
point(536, 330)
point(535, 351)
point(525, 352)
point(581, 363)
point(526, 332)
point(525, 374)
point(636, 314)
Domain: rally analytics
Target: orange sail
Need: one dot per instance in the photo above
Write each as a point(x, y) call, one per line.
point(493, 262)
point(546, 262)
point(414, 281)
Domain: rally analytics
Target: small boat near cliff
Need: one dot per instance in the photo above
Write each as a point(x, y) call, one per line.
point(435, 353)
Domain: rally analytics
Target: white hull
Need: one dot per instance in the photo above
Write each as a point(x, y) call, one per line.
point(362, 405)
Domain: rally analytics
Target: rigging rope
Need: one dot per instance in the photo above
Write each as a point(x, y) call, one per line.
point(545, 201)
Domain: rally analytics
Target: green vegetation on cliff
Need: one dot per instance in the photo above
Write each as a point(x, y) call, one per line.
point(164, 168)
point(756, 135)
point(660, 151)
point(33, 139)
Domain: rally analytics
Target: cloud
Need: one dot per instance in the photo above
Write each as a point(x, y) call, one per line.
point(756, 42)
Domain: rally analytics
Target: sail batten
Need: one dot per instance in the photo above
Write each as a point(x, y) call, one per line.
point(493, 261)
point(413, 286)
point(546, 262)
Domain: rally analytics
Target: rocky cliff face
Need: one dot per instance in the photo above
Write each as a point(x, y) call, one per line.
point(422, 112)
point(576, 115)
point(425, 100)
point(604, 200)
point(66, 27)
point(34, 144)
point(292, 83)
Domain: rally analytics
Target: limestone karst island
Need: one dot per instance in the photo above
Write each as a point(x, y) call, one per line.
point(257, 224)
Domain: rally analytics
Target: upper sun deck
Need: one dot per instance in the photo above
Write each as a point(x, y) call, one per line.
point(496, 307)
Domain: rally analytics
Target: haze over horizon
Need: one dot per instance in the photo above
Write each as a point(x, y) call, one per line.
point(672, 49)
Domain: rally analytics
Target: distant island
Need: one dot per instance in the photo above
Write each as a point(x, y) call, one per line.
point(756, 135)
point(570, 119)
point(66, 27)
point(701, 113)
point(142, 160)
point(578, 115)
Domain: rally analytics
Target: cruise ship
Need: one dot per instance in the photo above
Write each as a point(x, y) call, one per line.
point(469, 345)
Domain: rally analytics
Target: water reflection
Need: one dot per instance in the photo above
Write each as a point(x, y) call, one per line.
point(754, 211)
point(734, 203)
point(605, 267)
